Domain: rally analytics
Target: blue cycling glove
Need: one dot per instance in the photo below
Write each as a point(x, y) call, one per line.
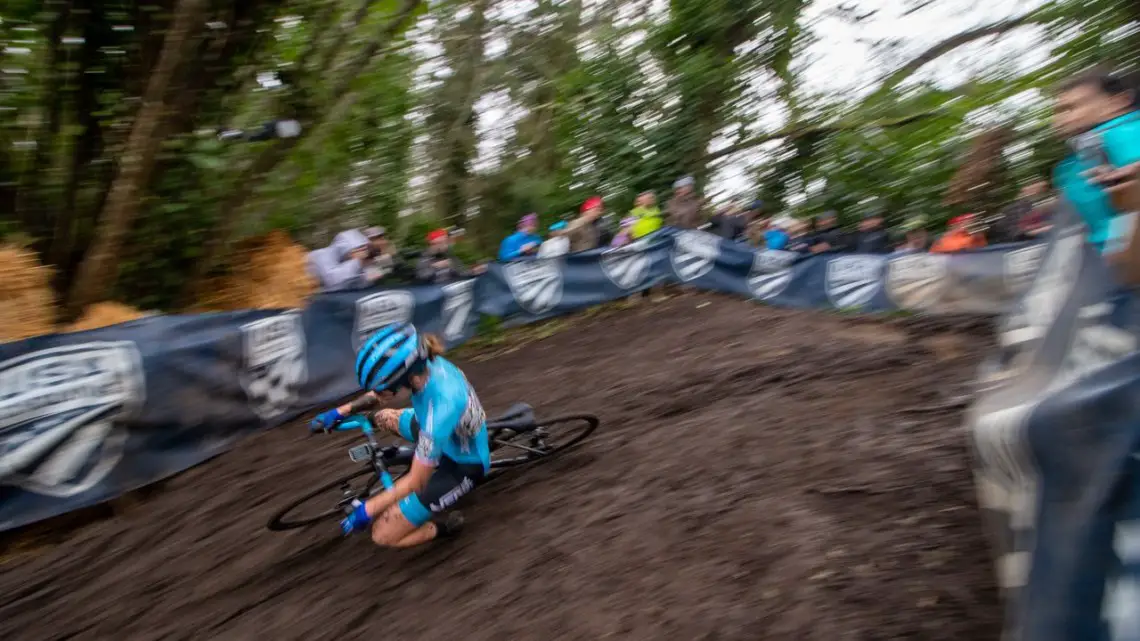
point(325, 421)
point(356, 520)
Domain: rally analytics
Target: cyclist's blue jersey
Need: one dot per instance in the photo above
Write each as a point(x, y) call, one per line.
point(450, 417)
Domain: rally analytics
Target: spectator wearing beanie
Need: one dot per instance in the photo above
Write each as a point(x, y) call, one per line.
point(524, 242)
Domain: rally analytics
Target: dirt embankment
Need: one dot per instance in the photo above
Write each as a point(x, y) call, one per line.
point(760, 474)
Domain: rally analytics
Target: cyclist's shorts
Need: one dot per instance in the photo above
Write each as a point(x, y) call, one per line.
point(449, 481)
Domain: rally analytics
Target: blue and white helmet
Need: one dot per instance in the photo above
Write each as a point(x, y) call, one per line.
point(385, 358)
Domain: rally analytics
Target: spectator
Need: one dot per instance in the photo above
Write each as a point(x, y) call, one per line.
point(684, 208)
point(777, 236)
point(341, 265)
point(828, 237)
point(382, 257)
point(1096, 112)
point(1035, 219)
point(607, 227)
point(557, 244)
point(959, 236)
point(916, 238)
point(585, 231)
point(756, 230)
point(438, 266)
point(524, 242)
point(625, 235)
point(799, 240)
point(647, 215)
point(872, 238)
point(730, 223)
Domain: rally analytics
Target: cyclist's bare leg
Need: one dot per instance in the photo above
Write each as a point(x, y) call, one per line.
point(392, 529)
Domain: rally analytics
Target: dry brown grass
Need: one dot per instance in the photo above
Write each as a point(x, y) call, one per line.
point(269, 273)
point(27, 303)
point(104, 314)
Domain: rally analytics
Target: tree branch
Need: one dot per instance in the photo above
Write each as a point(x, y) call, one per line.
point(944, 47)
point(803, 129)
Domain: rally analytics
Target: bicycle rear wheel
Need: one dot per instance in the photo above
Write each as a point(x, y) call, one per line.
point(328, 501)
point(548, 438)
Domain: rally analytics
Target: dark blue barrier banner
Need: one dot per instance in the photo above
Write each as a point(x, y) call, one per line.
point(1056, 433)
point(86, 417)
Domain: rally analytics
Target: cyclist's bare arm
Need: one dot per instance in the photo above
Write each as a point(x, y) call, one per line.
point(364, 402)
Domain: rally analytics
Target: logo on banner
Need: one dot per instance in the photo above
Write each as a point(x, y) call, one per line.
point(627, 266)
point(535, 284)
point(275, 367)
point(694, 253)
point(61, 415)
point(772, 271)
point(917, 281)
point(458, 301)
point(852, 281)
point(1021, 266)
point(382, 308)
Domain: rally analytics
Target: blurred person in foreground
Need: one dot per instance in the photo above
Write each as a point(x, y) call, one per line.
point(646, 214)
point(1096, 112)
point(828, 236)
point(959, 236)
point(556, 244)
point(872, 238)
point(585, 231)
point(684, 208)
point(524, 242)
point(437, 265)
point(342, 265)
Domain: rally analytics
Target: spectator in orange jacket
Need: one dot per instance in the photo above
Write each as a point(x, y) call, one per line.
point(959, 237)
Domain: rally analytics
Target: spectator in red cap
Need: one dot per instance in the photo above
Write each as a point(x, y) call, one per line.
point(959, 237)
point(583, 231)
point(437, 265)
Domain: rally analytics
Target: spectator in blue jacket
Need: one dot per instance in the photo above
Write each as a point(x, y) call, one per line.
point(523, 242)
point(776, 236)
point(1097, 112)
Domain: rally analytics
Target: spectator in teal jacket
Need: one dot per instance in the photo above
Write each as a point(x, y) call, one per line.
point(523, 242)
point(1096, 111)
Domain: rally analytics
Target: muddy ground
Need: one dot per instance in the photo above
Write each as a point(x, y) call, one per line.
point(760, 474)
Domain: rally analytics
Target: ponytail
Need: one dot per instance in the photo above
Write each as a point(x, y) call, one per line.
point(433, 346)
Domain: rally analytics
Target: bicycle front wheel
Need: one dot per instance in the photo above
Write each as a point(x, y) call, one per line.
point(328, 501)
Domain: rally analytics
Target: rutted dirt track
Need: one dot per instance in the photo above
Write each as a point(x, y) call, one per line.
point(759, 474)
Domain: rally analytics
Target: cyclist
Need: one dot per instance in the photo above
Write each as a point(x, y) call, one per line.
point(446, 422)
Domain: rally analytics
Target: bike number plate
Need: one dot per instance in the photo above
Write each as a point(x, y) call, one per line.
point(360, 453)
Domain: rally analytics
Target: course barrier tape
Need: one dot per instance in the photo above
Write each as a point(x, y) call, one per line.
point(89, 416)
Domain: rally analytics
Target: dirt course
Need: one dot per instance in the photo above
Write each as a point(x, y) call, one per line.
point(759, 474)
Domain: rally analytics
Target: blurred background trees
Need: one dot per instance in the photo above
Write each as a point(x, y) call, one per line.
point(413, 114)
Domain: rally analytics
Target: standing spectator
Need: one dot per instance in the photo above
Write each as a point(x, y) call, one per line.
point(557, 244)
point(341, 265)
point(916, 238)
point(777, 236)
point(959, 237)
point(1037, 220)
point(872, 238)
point(828, 237)
point(647, 215)
point(756, 231)
point(438, 266)
point(684, 208)
point(584, 231)
point(625, 234)
point(524, 242)
point(799, 240)
point(1097, 112)
point(1008, 228)
point(730, 223)
point(382, 255)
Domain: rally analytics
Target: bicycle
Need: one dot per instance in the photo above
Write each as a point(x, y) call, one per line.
point(517, 429)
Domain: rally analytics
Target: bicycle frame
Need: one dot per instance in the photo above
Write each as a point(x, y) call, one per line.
point(364, 425)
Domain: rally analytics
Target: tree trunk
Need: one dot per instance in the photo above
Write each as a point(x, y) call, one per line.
point(97, 272)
